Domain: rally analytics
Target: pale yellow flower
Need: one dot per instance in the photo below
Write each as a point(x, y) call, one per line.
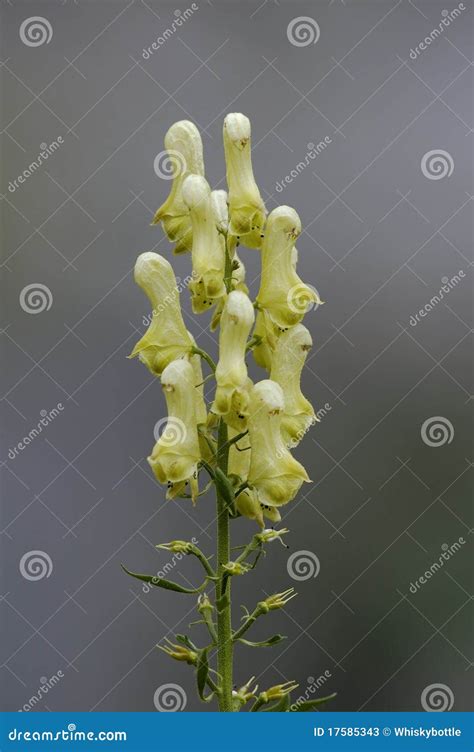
point(274, 473)
point(176, 454)
point(282, 293)
point(184, 146)
point(246, 208)
point(268, 332)
point(231, 372)
point(166, 337)
point(208, 253)
point(287, 363)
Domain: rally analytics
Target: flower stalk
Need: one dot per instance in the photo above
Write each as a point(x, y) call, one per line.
point(241, 436)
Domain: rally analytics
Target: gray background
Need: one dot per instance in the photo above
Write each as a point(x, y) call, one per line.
point(379, 236)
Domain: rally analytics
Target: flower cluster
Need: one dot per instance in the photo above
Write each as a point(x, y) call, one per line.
point(263, 420)
point(241, 434)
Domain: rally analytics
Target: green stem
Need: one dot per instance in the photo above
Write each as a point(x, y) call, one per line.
point(247, 624)
point(205, 356)
point(223, 601)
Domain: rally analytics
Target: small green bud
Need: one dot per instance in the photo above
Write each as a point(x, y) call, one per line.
point(234, 567)
point(278, 600)
point(180, 653)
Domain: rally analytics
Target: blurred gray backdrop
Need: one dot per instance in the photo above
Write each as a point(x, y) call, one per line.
point(386, 207)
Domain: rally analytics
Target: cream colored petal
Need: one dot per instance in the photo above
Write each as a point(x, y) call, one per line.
point(176, 453)
point(273, 472)
point(288, 359)
point(246, 207)
point(185, 156)
point(282, 293)
point(166, 337)
point(231, 372)
point(208, 250)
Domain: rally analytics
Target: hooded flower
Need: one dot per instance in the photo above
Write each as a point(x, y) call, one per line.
point(184, 146)
point(166, 337)
point(282, 293)
point(287, 363)
point(176, 454)
point(231, 372)
point(246, 208)
point(208, 253)
point(274, 473)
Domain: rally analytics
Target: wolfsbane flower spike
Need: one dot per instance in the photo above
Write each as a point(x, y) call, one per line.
point(184, 146)
point(166, 337)
point(282, 293)
point(231, 372)
point(176, 454)
point(274, 473)
point(208, 251)
point(246, 207)
point(288, 359)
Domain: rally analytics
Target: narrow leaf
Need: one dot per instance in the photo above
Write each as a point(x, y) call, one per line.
point(306, 707)
point(224, 488)
point(264, 643)
point(202, 671)
point(160, 582)
point(184, 640)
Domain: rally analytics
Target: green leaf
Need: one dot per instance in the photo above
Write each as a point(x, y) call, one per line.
point(160, 582)
point(202, 672)
point(306, 707)
point(264, 643)
point(224, 488)
point(184, 640)
point(282, 706)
